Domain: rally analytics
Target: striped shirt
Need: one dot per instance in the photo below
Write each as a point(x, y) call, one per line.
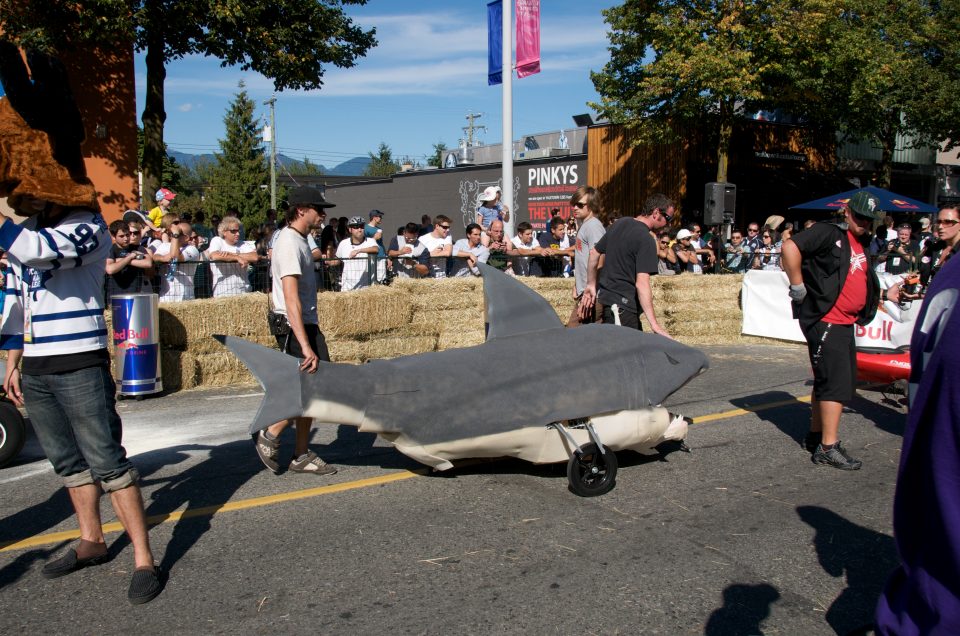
point(53, 287)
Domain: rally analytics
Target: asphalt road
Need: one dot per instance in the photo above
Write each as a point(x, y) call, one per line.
point(744, 535)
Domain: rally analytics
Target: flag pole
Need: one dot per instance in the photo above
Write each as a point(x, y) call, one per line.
point(507, 88)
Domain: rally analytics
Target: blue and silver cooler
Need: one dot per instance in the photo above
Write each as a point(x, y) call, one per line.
point(136, 343)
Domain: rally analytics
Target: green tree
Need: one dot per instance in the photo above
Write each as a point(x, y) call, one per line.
point(886, 71)
point(305, 168)
point(240, 176)
point(676, 65)
point(436, 159)
point(382, 164)
point(289, 41)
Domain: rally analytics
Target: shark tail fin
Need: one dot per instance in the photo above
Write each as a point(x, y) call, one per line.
point(277, 373)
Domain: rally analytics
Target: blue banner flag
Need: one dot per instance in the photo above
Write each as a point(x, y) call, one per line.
point(495, 42)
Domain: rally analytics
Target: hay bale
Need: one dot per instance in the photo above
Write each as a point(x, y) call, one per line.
point(371, 310)
point(394, 347)
point(697, 289)
point(179, 369)
point(221, 369)
point(190, 325)
point(441, 293)
point(342, 350)
point(462, 338)
point(450, 319)
point(702, 313)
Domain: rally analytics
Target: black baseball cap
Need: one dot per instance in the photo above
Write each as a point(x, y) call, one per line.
point(308, 196)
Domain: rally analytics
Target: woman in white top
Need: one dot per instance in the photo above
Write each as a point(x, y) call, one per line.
point(229, 258)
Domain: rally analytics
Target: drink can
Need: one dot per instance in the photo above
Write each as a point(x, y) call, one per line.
point(136, 343)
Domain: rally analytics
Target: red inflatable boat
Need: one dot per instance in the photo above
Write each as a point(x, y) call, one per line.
point(883, 366)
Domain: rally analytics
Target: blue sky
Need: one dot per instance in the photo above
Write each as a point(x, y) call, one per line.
point(414, 89)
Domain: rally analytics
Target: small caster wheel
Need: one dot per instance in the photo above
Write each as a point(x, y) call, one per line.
point(139, 398)
point(590, 472)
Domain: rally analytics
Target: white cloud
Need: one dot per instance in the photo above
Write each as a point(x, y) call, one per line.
point(185, 108)
point(418, 54)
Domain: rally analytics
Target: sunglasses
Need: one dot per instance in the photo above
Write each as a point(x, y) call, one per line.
point(664, 242)
point(446, 227)
point(580, 204)
point(235, 230)
point(947, 222)
point(767, 236)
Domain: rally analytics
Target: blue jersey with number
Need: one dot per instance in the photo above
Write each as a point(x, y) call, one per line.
point(54, 285)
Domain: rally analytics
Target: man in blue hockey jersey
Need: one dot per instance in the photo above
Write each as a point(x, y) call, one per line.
point(59, 369)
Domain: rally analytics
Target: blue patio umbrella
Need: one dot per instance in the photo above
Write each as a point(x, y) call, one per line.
point(889, 202)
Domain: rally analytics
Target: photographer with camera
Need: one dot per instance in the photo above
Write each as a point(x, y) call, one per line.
point(900, 255)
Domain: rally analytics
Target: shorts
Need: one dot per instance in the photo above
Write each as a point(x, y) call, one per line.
point(620, 315)
point(75, 418)
point(833, 356)
point(290, 345)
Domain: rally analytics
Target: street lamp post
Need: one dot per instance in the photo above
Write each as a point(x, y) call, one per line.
point(273, 152)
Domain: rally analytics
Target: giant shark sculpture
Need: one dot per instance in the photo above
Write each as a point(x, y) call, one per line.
point(496, 399)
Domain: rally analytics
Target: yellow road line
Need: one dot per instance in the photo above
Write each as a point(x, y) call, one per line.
point(255, 502)
point(67, 535)
point(751, 409)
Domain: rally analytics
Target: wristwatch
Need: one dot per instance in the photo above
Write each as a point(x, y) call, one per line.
point(177, 235)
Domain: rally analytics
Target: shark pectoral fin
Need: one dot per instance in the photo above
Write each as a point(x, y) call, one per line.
point(277, 373)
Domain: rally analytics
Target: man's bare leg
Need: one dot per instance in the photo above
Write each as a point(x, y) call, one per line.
point(829, 420)
point(128, 504)
point(86, 503)
point(276, 429)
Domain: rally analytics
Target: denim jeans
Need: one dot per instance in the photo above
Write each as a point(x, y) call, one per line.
point(75, 418)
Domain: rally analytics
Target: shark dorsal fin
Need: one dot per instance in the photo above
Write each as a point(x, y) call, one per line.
point(512, 308)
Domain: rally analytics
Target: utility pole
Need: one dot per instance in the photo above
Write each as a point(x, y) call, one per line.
point(273, 152)
point(506, 157)
point(470, 127)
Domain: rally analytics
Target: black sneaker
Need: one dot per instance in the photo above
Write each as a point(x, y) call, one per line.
point(836, 457)
point(812, 440)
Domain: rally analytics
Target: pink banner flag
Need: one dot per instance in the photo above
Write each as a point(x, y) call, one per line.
point(528, 37)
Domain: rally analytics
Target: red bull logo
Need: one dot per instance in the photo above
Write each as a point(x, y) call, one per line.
point(130, 334)
point(883, 332)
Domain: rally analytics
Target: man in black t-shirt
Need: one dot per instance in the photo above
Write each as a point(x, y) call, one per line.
point(128, 264)
point(631, 258)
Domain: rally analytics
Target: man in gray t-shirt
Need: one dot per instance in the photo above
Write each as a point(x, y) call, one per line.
point(294, 296)
point(585, 205)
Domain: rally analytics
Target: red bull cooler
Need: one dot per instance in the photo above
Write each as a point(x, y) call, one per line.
point(136, 344)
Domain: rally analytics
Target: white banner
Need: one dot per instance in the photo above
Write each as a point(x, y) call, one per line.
point(767, 313)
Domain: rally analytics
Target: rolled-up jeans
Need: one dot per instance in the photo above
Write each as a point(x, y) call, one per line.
point(74, 415)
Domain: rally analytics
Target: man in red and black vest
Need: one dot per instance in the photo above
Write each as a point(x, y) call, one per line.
point(833, 287)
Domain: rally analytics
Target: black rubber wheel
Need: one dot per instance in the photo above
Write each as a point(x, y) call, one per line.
point(590, 472)
point(13, 432)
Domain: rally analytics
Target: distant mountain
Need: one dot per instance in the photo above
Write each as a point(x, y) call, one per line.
point(351, 167)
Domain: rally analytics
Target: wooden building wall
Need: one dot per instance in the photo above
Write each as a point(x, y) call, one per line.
point(626, 175)
point(759, 152)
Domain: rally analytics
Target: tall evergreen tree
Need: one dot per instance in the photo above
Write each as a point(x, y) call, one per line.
point(241, 174)
point(382, 163)
point(436, 159)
